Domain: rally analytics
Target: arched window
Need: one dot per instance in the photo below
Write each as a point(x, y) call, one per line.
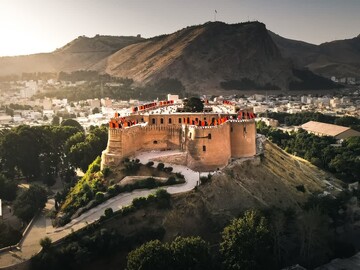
point(204, 148)
point(179, 120)
point(161, 120)
point(170, 121)
point(153, 121)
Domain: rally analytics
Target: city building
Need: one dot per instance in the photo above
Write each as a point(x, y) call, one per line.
point(324, 129)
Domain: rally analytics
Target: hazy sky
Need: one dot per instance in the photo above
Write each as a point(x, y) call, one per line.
point(31, 26)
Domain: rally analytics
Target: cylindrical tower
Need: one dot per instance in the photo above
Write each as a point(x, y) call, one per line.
point(113, 154)
point(243, 138)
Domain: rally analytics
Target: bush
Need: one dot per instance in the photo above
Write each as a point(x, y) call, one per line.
point(149, 164)
point(162, 198)
point(204, 179)
point(94, 166)
point(160, 166)
point(139, 202)
point(171, 180)
point(300, 188)
point(99, 197)
point(112, 190)
point(179, 175)
point(106, 172)
point(45, 243)
point(168, 169)
point(108, 212)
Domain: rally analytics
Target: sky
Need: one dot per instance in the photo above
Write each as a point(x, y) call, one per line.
point(34, 26)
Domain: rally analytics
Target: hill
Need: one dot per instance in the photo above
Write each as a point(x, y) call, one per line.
point(208, 58)
point(339, 58)
point(275, 180)
point(202, 57)
point(82, 53)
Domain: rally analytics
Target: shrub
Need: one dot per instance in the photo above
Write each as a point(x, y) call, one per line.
point(95, 166)
point(179, 175)
point(45, 243)
point(112, 190)
point(149, 164)
point(171, 180)
point(139, 202)
point(168, 169)
point(99, 197)
point(300, 188)
point(160, 166)
point(204, 179)
point(162, 198)
point(108, 212)
point(127, 210)
point(106, 172)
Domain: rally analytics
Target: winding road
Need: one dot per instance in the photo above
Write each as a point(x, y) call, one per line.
point(42, 225)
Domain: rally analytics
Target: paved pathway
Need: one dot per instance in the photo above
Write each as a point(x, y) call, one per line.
point(42, 225)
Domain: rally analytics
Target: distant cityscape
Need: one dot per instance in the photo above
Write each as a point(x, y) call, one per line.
point(20, 104)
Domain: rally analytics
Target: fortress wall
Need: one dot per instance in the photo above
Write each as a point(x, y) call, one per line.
point(158, 138)
point(132, 139)
point(126, 142)
point(243, 139)
point(208, 153)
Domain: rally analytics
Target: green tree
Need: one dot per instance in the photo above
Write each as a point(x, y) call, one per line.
point(7, 189)
point(72, 123)
point(190, 253)
point(45, 243)
point(95, 110)
point(152, 255)
point(55, 121)
point(29, 202)
point(81, 152)
point(194, 104)
point(246, 243)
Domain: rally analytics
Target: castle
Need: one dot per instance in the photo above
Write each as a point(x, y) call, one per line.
point(209, 139)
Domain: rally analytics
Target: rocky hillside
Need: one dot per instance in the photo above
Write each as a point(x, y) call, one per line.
point(202, 57)
point(82, 53)
point(275, 180)
point(339, 58)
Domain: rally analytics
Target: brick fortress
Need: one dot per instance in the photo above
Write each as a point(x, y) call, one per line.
point(209, 139)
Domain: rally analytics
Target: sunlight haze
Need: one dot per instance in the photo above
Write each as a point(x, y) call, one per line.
point(42, 26)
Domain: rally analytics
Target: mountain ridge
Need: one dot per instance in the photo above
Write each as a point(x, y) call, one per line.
point(212, 57)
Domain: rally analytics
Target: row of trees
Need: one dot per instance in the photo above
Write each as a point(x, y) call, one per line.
point(342, 161)
point(45, 152)
point(246, 244)
point(270, 240)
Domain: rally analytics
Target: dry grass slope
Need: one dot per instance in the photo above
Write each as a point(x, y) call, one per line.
point(265, 182)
